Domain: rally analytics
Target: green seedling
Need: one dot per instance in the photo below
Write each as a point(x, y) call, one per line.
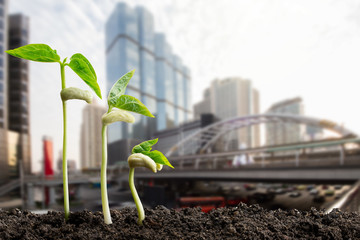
point(142, 156)
point(82, 67)
point(120, 106)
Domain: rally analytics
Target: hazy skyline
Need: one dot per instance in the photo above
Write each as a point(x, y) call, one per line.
point(287, 48)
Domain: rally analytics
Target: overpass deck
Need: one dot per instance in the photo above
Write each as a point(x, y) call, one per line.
point(348, 174)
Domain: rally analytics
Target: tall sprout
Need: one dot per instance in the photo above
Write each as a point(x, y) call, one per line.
point(82, 67)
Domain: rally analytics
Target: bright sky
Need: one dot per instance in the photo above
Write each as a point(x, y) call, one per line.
point(287, 48)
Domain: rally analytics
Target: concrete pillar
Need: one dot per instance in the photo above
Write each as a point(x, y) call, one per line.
point(197, 162)
point(342, 155)
point(297, 159)
point(52, 195)
point(214, 163)
point(30, 201)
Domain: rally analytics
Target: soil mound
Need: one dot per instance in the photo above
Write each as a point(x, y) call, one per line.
point(241, 222)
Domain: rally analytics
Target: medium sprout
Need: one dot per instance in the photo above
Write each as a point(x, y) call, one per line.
point(120, 106)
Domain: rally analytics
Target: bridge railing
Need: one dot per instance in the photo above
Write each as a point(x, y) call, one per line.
point(4, 189)
point(349, 202)
point(329, 153)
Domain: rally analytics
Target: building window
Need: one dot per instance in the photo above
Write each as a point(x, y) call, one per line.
point(1, 12)
point(24, 99)
point(1, 87)
point(1, 74)
point(23, 86)
point(24, 109)
point(24, 32)
point(1, 24)
point(1, 62)
point(1, 100)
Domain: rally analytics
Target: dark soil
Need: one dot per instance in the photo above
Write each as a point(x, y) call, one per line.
point(242, 222)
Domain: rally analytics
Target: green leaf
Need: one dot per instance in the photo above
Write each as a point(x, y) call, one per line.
point(144, 146)
point(118, 88)
point(132, 104)
point(158, 157)
point(35, 52)
point(82, 67)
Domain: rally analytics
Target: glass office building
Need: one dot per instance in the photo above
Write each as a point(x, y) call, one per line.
point(165, 83)
point(187, 94)
point(122, 56)
point(147, 67)
point(161, 82)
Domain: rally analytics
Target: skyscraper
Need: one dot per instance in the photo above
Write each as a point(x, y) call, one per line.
point(282, 133)
point(122, 56)
point(256, 110)
point(18, 89)
point(147, 67)
point(165, 83)
point(228, 98)
point(90, 140)
point(3, 92)
point(161, 81)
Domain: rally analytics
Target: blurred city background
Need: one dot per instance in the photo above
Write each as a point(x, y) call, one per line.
point(255, 102)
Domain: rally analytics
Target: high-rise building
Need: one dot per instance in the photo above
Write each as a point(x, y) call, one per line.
point(204, 106)
point(256, 110)
point(18, 89)
point(283, 133)
point(122, 56)
point(187, 94)
point(3, 92)
point(165, 83)
point(90, 141)
point(147, 68)
point(161, 81)
point(228, 98)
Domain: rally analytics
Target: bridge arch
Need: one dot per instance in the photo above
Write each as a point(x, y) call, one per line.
point(202, 140)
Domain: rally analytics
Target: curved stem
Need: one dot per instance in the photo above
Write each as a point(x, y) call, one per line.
point(104, 196)
point(135, 195)
point(64, 161)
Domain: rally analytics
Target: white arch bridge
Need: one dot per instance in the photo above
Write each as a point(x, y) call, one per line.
point(202, 141)
point(328, 160)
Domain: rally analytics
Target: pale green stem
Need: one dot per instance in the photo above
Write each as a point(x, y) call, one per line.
point(139, 206)
point(64, 161)
point(104, 196)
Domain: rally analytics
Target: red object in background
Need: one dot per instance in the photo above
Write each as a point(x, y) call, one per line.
point(206, 203)
point(48, 157)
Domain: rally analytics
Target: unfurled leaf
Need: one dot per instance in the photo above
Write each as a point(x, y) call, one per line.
point(82, 67)
point(144, 146)
point(132, 104)
point(35, 52)
point(119, 88)
point(158, 157)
